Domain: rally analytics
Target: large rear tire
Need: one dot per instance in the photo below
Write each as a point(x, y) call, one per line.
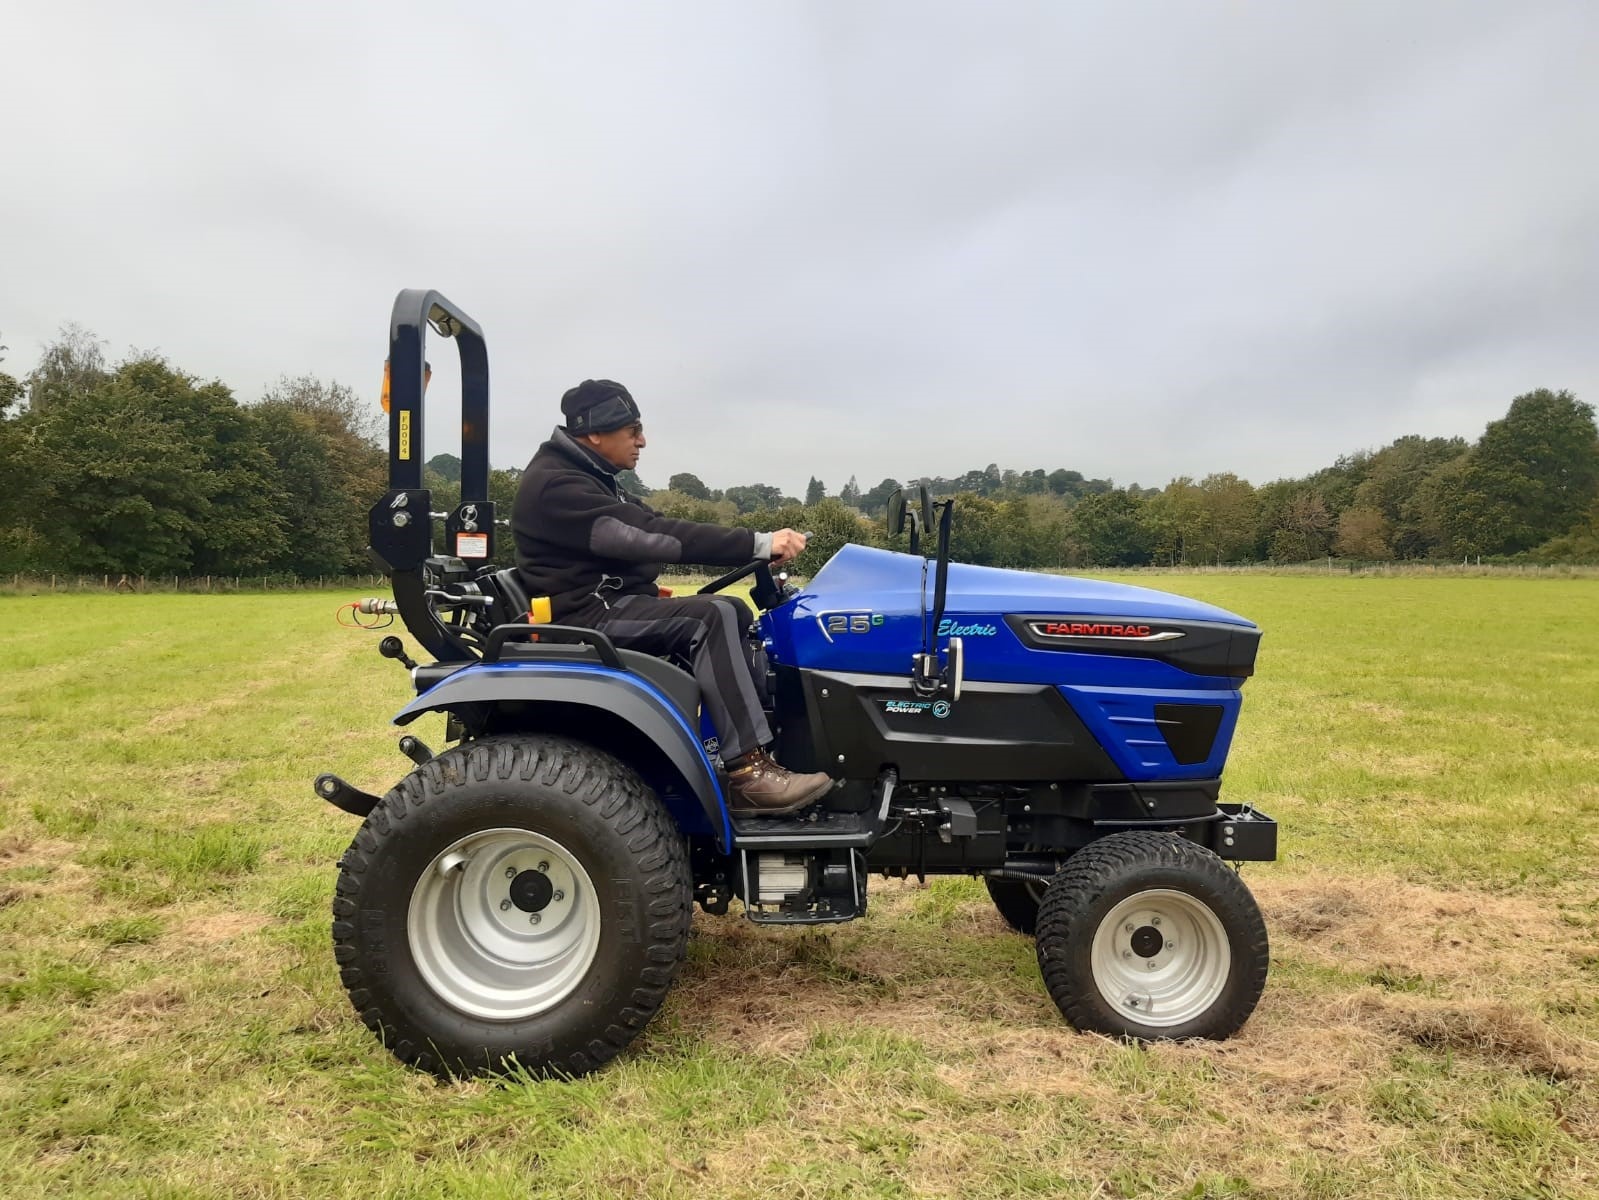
point(1149, 936)
point(519, 901)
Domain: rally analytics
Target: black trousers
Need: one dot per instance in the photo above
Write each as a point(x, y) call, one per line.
point(707, 631)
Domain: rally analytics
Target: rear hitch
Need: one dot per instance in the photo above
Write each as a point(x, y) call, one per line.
point(342, 796)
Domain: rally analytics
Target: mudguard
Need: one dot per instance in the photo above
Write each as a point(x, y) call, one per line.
point(633, 699)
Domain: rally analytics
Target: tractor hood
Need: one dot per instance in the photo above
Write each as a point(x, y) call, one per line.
point(864, 611)
point(885, 582)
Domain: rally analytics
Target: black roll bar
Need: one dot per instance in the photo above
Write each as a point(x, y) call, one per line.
point(401, 525)
point(414, 310)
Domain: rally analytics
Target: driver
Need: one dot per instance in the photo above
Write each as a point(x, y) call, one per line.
point(595, 551)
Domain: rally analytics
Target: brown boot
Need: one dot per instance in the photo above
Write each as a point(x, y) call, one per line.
point(762, 788)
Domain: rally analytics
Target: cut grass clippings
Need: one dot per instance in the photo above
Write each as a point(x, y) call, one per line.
point(171, 1022)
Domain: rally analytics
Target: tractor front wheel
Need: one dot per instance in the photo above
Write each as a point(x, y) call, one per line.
point(1149, 936)
point(1017, 901)
point(519, 901)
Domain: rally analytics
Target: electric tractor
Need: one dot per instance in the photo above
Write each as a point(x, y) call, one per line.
point(521, 899)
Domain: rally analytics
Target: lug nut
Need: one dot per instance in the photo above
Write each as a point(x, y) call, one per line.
point(559, 895)
point(1127, 953)
point(534, 918)
point(1129, 927)
point(1153, 964)
point(1154, 920)
point(504, 905)
point(510, 872)
point(543, 866)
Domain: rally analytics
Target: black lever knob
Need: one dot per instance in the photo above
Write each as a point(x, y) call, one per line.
point(393, 647)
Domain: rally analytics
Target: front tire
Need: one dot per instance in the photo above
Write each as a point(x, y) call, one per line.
point(1017, 901)
point(1149, 936)
point(518, 901)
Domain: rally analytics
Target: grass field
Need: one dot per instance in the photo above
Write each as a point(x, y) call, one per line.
point(171, 1024)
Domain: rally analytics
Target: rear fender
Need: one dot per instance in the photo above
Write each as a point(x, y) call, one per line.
point(583, 694)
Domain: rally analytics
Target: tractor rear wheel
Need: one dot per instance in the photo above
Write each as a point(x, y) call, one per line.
point(518, 901)
point(1149, 936)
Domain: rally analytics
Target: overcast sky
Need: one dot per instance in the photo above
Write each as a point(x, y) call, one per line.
point(1139, 240)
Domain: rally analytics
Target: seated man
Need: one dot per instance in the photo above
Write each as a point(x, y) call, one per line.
point(595, 551)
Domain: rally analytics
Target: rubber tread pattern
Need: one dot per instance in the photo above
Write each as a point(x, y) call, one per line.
point(573, 772)
point(1098, 877)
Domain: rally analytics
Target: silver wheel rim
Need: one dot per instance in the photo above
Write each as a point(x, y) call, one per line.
point(1161, 957)
point(504, 924)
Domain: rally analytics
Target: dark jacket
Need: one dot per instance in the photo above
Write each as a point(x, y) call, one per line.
point(577, 530)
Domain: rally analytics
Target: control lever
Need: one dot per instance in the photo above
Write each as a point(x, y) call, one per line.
point(393, 647)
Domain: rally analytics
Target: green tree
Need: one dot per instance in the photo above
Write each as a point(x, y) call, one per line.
point(25, 471)
point(153, 471)
point(1227, 517)
point(875, 502)
point(1393, 487)
point(1175, 517)
point(755, 496)
point(1533, 474)
point(1581, 545)
point(445, 466)
point(321, 440)
point(688, 485)
point(70, 366)
point(10, 389)
point(850, 494)
point(815, 491)
point(1108, 529)
point(1363, 533)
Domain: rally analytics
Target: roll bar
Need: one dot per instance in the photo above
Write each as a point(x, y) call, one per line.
point(400, 525)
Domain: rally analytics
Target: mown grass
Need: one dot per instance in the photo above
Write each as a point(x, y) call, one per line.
point(171, 1024)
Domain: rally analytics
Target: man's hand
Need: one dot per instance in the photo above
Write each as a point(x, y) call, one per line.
point(787, 545)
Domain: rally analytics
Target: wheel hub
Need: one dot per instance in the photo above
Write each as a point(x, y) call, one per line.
point(1147, 942)
point(1161, 955)
point(504, 924)
point(531, 891)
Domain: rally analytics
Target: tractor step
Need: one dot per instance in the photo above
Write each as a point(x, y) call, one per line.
point(844, 830)
point(818, 828)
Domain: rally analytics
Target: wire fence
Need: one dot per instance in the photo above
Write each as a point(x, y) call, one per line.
point(22, 583)
point(1358, 567)
point(26, 584)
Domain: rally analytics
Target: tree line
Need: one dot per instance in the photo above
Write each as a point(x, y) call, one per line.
point(138, 467)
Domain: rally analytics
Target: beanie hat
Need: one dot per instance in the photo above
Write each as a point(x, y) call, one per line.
point(598, 406)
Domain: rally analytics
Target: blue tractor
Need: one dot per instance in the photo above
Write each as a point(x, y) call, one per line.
point(523, 897)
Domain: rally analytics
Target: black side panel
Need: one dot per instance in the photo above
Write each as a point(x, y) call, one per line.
point(586, 689)
point(996, 732)
point(1189, 729)
point(1198, 647)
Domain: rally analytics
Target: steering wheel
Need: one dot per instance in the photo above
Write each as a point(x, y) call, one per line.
point(760, 565)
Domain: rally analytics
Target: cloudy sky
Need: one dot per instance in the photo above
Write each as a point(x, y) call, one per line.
point(833, 238)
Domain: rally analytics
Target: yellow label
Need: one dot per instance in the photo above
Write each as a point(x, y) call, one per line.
point(405, 433)
point(539, 610)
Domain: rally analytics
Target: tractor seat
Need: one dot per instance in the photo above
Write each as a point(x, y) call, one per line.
point(511, 608)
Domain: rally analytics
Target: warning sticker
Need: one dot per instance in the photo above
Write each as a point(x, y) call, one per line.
point(405, 433)
point(471, 545)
